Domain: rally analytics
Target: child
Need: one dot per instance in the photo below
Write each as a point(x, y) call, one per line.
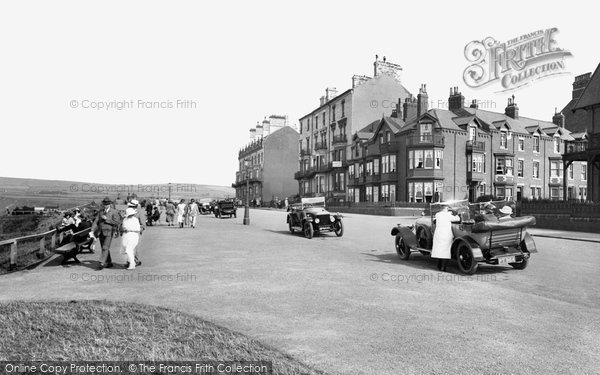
point(130, 230)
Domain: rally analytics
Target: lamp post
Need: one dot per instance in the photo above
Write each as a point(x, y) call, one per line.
point(247, 206)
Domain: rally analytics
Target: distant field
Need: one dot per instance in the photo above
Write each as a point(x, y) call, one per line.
point(67, 194)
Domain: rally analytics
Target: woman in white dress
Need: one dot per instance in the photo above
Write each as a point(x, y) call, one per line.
point(130, 230)
point(181, 212)
point(443, 237)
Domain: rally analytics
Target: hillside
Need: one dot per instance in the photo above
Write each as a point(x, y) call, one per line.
point(66, 194)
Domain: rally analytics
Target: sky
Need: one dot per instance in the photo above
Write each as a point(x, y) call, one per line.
point(146, 92)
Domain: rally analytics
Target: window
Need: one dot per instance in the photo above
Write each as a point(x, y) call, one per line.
point(428, 159)
point(503, 140)
point(520, 168)
point(351, 171)
point(508, 194)
point(583, 171)
point(509, 167)
point(339, 183)
point(536, 169)
point(385, 193)
point(418, 192)
point(419, 159)
point(385, 166)
point(375, 193)
point(392, 192)
point(333, 113)
point(369, 168)
point(323, 118)
point(411, 159)
point(411, 192)
point(380, 139)
point(425, 132)
point(437, 196)
point(472, 133)
point(361, 170)
point(317, 121)
point(478, 163)
point(439, 156)
point(428, 191)
point(369, 194)
point(343, 108)
point(555, 193)
point(570, 171)
point(504, 166)
point(583, 193)
point(388, 136)
point(536, 143)
point(350, 194)
point(320, 184)
point(376, 166)
point(357, 195)
point(521, 144)
point(500, 192)
point(392, 163)
point(556, 144)
point(554, 169)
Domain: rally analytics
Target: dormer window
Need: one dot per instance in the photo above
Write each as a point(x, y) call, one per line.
point(557, 144)
point(503, 139)
point(536, 143)
point(472, 133)
point(425, 132)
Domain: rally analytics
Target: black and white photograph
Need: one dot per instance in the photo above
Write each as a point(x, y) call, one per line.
point(299, 188)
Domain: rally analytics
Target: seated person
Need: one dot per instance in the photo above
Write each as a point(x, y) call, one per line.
point(488, 213)
point(506, 213)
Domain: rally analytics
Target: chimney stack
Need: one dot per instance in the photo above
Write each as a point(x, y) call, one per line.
point(398, 110)
point(456, 100)
point(580, 83)
point(252, 133)
point(422, 100)
point(410, 108)
point(512, 110)
point(474, 104)
point(384, 67)
point(558, 119)
point(330, 93)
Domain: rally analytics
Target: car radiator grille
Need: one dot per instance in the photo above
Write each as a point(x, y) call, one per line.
point(505, 237)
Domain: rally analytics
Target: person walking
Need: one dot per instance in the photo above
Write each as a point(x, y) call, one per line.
point(181, 211)
point(105, 226)
point(135, 204)
point(171, 213)
point(193, 212)
point(130, 230)
point(443, 237)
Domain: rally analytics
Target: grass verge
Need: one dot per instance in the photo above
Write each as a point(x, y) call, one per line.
point(118, 331)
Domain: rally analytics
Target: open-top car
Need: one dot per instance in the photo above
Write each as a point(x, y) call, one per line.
point(311, 218)
point(486, 232)
point(225, 207)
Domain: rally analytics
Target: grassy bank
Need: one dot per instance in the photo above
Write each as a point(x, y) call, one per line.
point(101, 331)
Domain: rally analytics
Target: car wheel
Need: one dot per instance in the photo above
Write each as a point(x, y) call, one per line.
point(423, 239)
point(521, 265)
point(338, 228)
point(309, 232)
point(465, 259)
point(401, 249)
point(290, 226)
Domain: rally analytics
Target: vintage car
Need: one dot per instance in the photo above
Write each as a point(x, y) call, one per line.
point(225, 207)
point(311, 218)
point(485, 233)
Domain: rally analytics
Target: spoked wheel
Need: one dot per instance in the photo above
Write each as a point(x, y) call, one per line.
point(309, 232)
point(401, 249)
point(520, 265)
point(338, 228)
point(465, 259)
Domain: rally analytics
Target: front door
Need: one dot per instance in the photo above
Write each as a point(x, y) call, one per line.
point(519, 193)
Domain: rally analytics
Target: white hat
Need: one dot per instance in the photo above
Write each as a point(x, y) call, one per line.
point(133, 203)
point(130, 212)
point(506, 210)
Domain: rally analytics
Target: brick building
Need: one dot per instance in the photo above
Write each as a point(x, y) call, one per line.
point(270, 161)
point(462, 152)
point(582, 116)
point(325, 132)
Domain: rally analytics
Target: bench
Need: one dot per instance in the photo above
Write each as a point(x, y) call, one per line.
point(70, 250)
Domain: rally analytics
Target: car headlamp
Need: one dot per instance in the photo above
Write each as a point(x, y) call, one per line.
point(317, 220)
point(332, 218)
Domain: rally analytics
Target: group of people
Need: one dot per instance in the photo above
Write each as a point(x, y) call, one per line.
point(443, 236)
point(186, 213)
point(109, 224)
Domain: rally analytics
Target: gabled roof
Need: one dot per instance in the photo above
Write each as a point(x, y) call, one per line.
point(536, 129)
point(580, 135)
point(393, 123)
point(591, 92)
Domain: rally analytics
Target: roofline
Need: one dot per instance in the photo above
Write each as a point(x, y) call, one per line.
point(575, 107)
point(325, 105)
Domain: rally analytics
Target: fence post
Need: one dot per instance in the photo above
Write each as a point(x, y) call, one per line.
point(42, 251)
point(13, 256)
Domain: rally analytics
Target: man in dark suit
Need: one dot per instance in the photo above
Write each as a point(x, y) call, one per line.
point(105, 226)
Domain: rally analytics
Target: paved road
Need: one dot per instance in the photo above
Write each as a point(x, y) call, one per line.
point(348, 305)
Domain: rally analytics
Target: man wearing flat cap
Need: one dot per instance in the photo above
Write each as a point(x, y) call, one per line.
point(105, 226)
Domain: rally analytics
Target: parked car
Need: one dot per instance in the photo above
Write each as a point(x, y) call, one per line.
point(205, 208)
point(483, 235)
point(225, 207)
point(311, 218)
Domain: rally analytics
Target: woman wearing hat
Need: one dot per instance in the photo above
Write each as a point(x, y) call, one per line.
point(130, 230)
point(443, 237)
point(181, 212)
point(506, 212)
